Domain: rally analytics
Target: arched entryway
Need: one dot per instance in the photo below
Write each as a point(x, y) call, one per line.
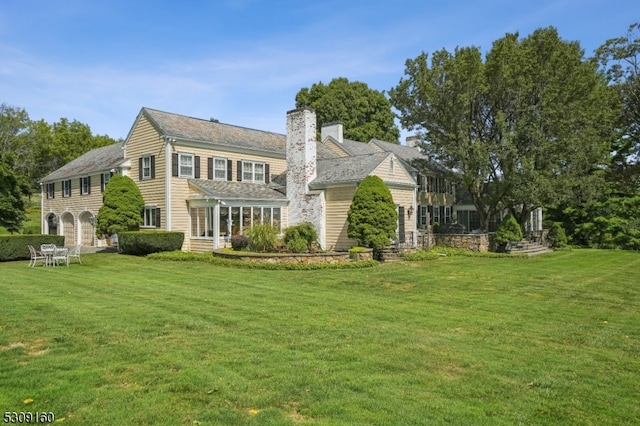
point(68, 229)
point(87, 229)
point(52, 224)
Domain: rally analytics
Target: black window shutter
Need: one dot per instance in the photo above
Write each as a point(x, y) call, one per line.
point(267, 176)
point(196, 169)
point(229, 170)
point(153, 166)
point(89, 184)
point(140, 168)
point(158, 216)
point(81, 190)
point(174, 164)
point(102, 182)
point(239, 171)
point(53, 190)
point(401, 237)
point(210, 168)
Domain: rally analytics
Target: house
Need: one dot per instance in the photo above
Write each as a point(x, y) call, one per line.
point(212, 180)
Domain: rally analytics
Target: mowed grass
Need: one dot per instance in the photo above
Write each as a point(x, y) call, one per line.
point(121, 340)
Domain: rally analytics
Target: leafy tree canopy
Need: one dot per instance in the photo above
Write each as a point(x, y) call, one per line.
point(528, 126)
point(122, 207)
point(372, 216)
point(620, 58)
point(364, 112)
point(12, 205)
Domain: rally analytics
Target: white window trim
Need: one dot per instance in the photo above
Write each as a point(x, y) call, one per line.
point(253, 164)
point(84, 190)
point(146, 167)
point(223, 168)
point(182, 155)
point(149, 213)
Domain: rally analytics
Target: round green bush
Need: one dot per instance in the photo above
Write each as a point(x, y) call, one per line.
point(297, 245)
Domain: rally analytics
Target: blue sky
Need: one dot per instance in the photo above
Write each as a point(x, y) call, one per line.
point(243, 61)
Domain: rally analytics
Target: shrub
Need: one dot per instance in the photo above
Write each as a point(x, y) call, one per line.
point(122, 207)
point(297, 245)
point(239, 242)
point(15, 247)
point(141, 243)
point(557, 236)
point(509, 230)
point(262, 238)
point(304, 231)
point(372, 215)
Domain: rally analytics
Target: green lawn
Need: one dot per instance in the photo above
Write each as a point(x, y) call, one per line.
point(120, 340)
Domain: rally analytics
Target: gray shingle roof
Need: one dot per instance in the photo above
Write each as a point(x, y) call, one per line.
point(95, 161)
point(346, 169)
point(237, 190)
point(409, 155)
point(199, 130)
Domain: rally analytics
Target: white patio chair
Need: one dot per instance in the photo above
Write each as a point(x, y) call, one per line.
point(60, 255)
point(47, 251)
point(75, 253)
point(36, 256)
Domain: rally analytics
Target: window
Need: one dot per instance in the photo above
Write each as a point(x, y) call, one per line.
point(447, 214)
point(151, 217)
point(146, 164)
point(66, 188)
point(51, 190)
point(85, 185)
point(253, 171)
point(202, 222)
point(435, 214)
point(219, 168)
point(186, 165)
point(423, 216)
point(104, 180)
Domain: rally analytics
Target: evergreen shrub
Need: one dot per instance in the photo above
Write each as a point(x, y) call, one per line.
point(508, 230)
point(304, 231)
point(141, 243)
point(239, 242)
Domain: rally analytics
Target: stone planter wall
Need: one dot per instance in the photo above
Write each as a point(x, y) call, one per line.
point(331, 257)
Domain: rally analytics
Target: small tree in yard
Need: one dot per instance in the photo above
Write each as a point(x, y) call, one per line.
point(122, 206)
point(372, 216)
point(509, 230)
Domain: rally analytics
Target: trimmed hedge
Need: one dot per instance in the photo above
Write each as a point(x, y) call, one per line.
point(141, 243)
point(15, 247)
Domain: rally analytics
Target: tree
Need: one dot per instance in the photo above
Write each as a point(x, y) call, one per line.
point(122, 207)
point(364, 112)
point(620, 58)
point(527, 127)
point(12, 205)
point(372, 215)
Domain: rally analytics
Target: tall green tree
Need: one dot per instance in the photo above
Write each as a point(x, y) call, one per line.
point(620, 59)
point(12, 205)
point(122, 206)
point(528, 126)
point(372, 215)
point(365, 113)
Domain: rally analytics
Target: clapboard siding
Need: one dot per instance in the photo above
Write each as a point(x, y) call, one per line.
point(338, 203)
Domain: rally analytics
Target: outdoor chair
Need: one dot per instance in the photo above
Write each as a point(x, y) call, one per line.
point(36, 256)
point(60, 255)
point(47, 251)
point(75, 253)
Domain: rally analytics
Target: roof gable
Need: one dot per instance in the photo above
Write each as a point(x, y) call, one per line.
point(229, 137)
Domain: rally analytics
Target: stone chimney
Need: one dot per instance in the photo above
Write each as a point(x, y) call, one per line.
point(333, 129)
point(304, 205)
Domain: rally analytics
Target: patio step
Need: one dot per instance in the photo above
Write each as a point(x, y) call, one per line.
point(530, 248)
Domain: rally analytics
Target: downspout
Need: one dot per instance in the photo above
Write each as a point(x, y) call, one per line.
point(167, 181)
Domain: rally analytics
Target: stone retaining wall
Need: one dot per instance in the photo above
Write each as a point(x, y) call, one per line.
point(474, 242)
point(332, 257)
